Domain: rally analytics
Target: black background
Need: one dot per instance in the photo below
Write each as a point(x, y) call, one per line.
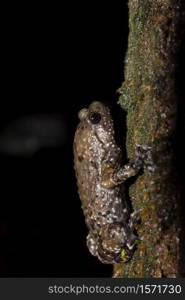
point(56, 58)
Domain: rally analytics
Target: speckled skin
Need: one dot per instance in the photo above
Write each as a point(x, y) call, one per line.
point(99, 175)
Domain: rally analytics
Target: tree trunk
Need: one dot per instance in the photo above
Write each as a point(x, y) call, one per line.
point(148, 94)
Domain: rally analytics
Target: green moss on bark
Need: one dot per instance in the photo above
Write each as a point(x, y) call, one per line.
point(148, 95)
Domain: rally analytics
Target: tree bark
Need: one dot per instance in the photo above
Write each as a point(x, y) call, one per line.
point(149, 96)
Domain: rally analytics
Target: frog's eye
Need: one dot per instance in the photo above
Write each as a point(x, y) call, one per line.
point(95, 117)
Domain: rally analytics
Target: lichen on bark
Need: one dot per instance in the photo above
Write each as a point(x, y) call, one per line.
point(149, 96)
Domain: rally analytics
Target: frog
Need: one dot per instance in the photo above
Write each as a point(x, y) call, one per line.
point(100, 179)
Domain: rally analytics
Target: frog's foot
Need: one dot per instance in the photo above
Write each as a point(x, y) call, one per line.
point(143, 154)
point(92, 244)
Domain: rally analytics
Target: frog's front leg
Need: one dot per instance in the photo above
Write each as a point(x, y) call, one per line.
point(142, 158)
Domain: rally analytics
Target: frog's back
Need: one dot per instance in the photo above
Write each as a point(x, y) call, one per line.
point(86, 162)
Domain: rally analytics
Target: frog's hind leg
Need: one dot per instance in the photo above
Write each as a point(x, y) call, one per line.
point(92, 244)
point(135, 218)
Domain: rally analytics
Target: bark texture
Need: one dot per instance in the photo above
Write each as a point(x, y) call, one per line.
point(148, 94)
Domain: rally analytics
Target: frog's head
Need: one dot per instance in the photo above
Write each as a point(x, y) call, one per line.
point(98, 118)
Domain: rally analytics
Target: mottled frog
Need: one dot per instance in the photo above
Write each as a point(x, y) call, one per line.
point(100, 175)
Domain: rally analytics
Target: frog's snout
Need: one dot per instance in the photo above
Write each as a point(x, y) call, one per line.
point(83, 114)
